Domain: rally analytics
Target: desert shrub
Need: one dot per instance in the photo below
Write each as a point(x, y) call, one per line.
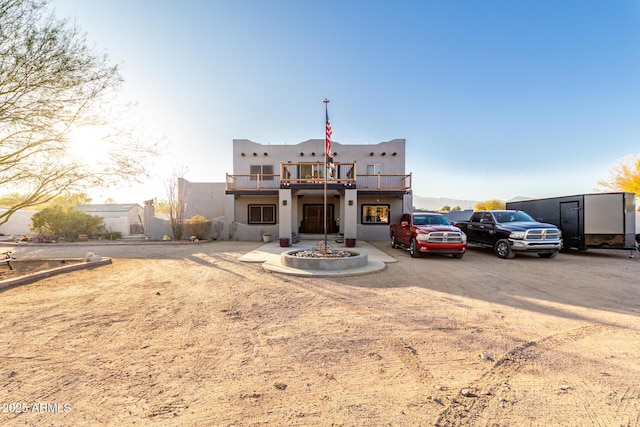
point(57, 222)
point(109, 234)
point(198, 226)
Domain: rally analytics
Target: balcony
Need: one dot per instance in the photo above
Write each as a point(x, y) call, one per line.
point(299, 174)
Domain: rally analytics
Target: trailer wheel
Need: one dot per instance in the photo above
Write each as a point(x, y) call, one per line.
point(548, 255)
point(413, 250)
point(503, 249)
point(394, 244)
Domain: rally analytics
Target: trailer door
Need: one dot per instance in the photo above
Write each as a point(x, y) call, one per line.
point(569, 224)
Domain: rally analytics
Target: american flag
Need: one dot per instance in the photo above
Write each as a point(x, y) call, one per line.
point(328, 138)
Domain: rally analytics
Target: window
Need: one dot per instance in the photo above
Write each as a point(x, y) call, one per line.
point(374, 169)
point(262, 214)
point(375, 214)
point(267, 170)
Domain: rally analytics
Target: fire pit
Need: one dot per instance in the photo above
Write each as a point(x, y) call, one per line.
point(318, 258)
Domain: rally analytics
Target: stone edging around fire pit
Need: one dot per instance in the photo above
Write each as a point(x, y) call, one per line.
point(355, 260)
point(312, 270)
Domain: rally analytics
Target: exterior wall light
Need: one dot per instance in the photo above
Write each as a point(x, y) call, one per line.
point(284, 203)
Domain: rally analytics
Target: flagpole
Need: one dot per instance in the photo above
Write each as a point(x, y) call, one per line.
point(326, 170)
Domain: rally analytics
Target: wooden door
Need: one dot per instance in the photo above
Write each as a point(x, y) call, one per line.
point(314, 220)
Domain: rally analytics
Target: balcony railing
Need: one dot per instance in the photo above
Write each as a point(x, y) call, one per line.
point(384, 182)
point(313, 173)
point(258, 181)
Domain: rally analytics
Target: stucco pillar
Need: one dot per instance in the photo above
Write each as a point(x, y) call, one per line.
point(284, 209)
point(229, 216)
point(407, 202)
point(350, 214)
point(149, 213)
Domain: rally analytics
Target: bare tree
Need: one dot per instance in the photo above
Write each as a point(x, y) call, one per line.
point(176, 201)
point(50, 84)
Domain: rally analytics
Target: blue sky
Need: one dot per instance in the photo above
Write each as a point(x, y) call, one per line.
point(496, 99)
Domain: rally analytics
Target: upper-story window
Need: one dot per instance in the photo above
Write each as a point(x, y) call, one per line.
point(266, 170)
point(374, 169)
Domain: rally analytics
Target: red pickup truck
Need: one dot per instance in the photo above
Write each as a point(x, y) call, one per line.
point(426, 232)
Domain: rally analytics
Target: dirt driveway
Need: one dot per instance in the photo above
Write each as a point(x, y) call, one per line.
point(188, 335)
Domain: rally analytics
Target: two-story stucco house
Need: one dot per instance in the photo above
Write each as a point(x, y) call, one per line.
point(280, 189)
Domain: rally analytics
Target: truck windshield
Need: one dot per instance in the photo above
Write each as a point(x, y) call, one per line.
point(430, 220)
point(514, 216)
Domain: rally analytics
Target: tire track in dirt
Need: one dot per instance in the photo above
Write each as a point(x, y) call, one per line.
point(409, 357)
point(629, 403)
point(367, 305)
point(506, 368)
point(200, 332)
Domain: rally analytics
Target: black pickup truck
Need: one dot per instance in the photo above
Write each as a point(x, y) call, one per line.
point(510, 231)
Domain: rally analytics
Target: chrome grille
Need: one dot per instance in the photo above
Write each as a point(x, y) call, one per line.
point(543, 234)
point(445, 237)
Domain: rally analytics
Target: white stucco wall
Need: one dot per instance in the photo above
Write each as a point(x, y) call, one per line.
point(19, 223)
point(203, 198)
point(390, 154)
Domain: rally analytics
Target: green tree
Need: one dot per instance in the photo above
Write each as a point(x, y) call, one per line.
point(445, 208)
point(162, 207)
point(624, 175)
point(490, 204)
point(51, 84)
point(11, 199)
point(456, 208)
point(67, 200)
point(65, 222)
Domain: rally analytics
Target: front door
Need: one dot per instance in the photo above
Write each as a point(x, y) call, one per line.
point(569, 224)
point(313, 219)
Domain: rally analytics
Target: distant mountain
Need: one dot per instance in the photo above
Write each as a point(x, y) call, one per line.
point(436, 203)
point(520, 198)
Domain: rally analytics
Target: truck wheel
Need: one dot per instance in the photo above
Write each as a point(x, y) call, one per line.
point(394, 244)
point(548, 255)
point(503, 249)
point(413, 250)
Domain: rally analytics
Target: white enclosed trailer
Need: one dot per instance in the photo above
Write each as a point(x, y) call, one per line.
point(599, 220)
